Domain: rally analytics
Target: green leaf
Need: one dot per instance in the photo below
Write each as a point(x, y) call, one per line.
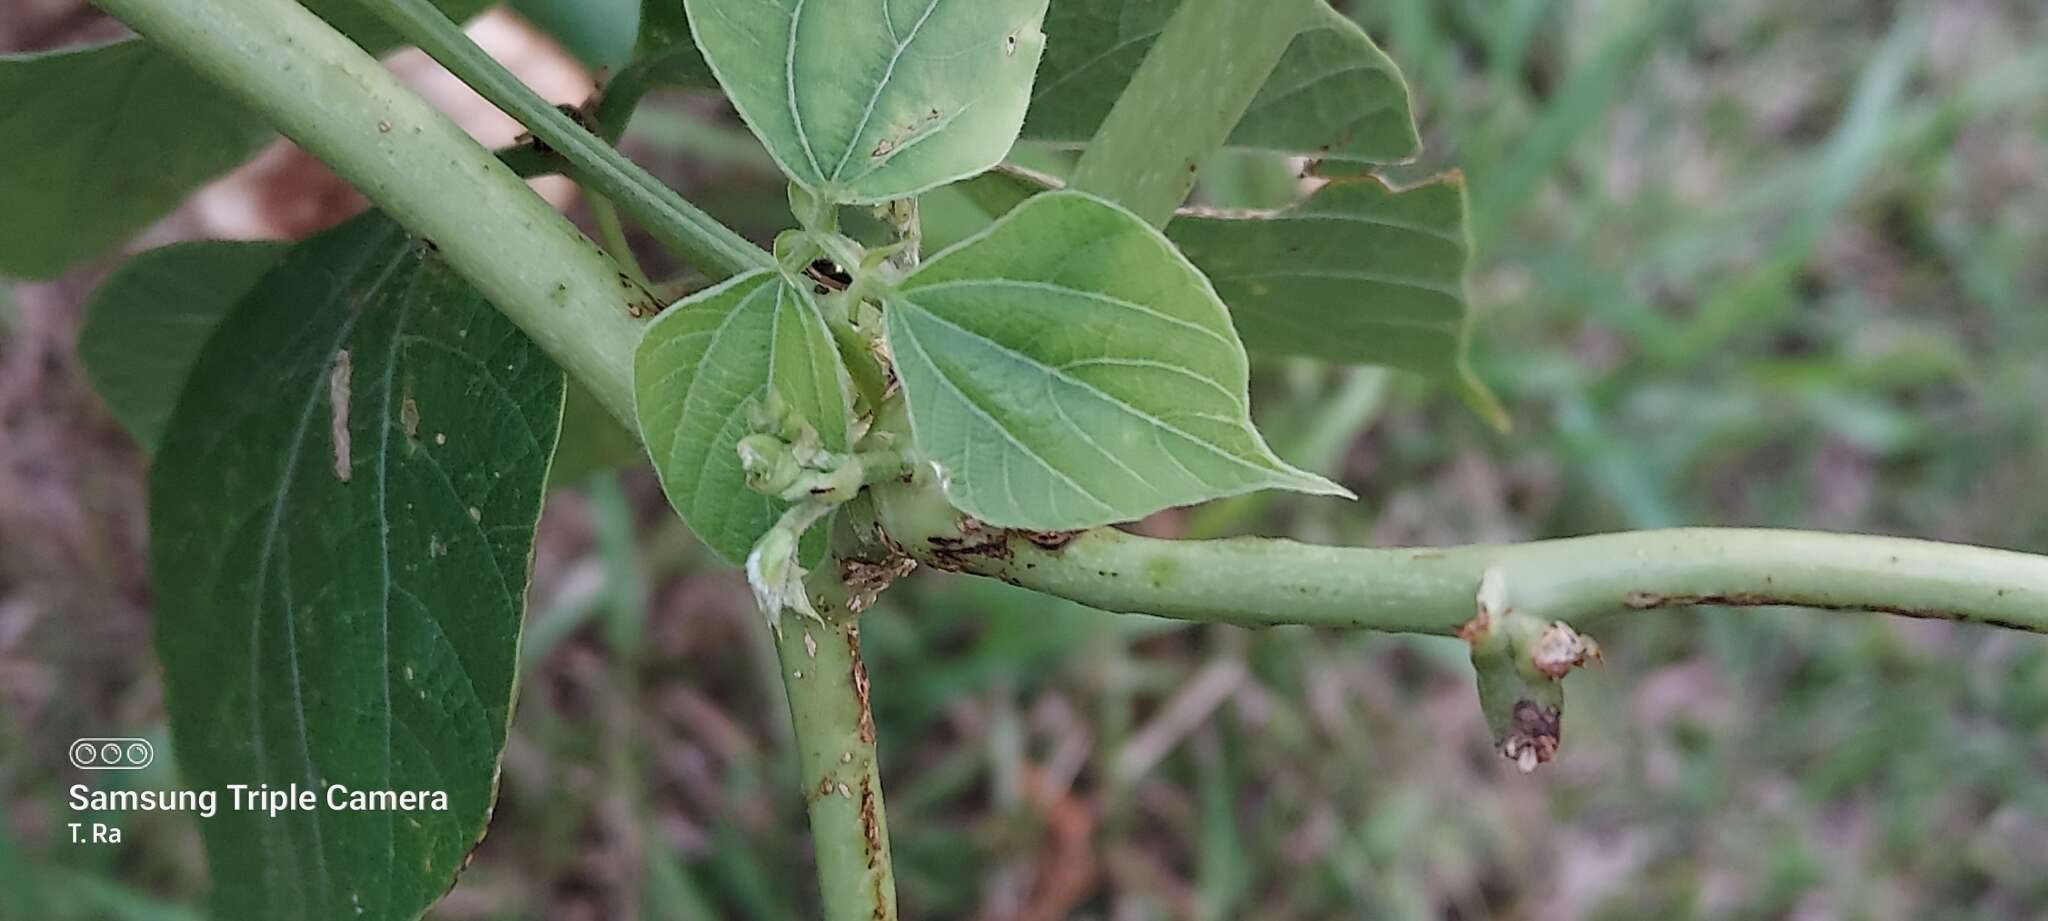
point(697, 370)
point(666, 50)
point(103, 140)
point(100, 142)
point(1334, 94)
point(146, 323)
point(1360, 273)
point(869, 100)
point(600, 33)
point(342, 516)
point(1069, 368)
point(592, 442)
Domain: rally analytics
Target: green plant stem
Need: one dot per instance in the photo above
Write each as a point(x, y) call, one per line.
point(1185, 99)
point(613, 233)
point(622, 95)
point(324, 92)
point(842, 784)
point(679, 225)
point(1262, 582)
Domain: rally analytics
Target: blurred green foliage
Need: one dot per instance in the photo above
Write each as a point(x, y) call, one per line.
point(1742, 262)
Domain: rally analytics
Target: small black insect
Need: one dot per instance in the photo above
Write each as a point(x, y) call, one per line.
point(829, 276)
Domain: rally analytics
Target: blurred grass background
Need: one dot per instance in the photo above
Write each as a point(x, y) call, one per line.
point(1743, 262)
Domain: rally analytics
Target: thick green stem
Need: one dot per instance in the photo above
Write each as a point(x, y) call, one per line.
point(324, 92)
point(711, 246)
point(842, 782)
point(1266, 582)
point(1195, 84)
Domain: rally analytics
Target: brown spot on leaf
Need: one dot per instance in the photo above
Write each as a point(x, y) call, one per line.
point(409, 416)
point(338, 376)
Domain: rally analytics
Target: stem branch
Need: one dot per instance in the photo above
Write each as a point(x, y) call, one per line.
point(1264, 582)
point(696, 236)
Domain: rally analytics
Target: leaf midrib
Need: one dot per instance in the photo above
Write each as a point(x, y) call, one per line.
point(1055, 372)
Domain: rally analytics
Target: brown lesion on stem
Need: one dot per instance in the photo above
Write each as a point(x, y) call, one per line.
point(880, 899)
point(976, 546)
point(641, 303)
point(972, 547)
point(1560, 649)
point(860, 684)
point(1650, 601)
point(1521, 662)
point(865, 579)
point(1535, 733)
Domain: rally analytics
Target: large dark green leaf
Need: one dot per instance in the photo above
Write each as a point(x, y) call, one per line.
point(1333, 95)
point(1359, 273)
point(145, 325)
point(99, 142)
point(342, 516)
point(1068, 368)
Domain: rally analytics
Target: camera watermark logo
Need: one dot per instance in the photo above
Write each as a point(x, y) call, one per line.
point(112, 754)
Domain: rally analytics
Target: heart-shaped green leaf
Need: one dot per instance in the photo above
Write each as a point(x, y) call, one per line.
point(1359, 273)
point(341, 520)
point(1334, 94)
point(699, 367)
point(1069, 368)
point(868, 100)
point(145, 325)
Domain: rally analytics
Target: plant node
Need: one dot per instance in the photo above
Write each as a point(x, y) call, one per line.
point(1521, 663)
